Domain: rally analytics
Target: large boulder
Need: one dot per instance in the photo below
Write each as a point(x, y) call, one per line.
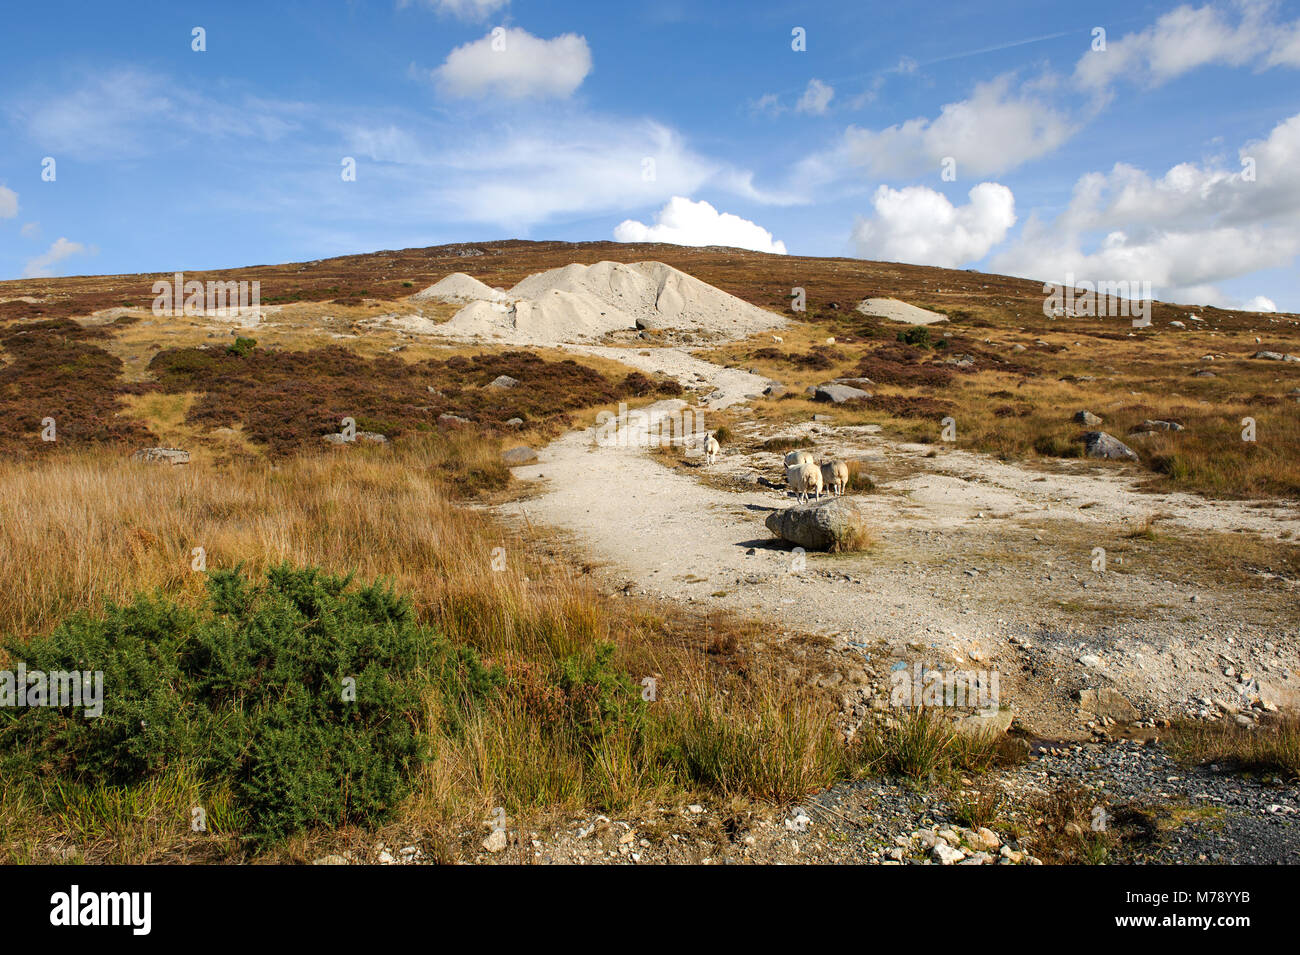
point(836, 524)
point(1099, 444)
point(838, 394)
point(516, 457)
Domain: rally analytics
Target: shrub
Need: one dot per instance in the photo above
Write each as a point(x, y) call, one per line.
point(299, 695)
point(917, 335)
point(242, 346)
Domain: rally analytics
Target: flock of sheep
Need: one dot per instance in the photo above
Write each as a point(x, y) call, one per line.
point(802, 472)
point(805, 476)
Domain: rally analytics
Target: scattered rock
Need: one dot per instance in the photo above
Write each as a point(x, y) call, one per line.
point(503, 381)
point(838, 394)
point(496, 841)
point(1087, 418)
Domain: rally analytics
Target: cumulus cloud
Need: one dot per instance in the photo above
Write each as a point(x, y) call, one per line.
point(1189, 37)
point(919, 225)
point(42, 266)
point(1261, 304)
point(1183, 231)
point(816, 98)
point(514, 64)
point(994, 130)
point(8, 203)
point(683, 222)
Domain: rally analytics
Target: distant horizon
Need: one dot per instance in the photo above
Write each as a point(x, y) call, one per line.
point(1160, 146)
point(1080, 282)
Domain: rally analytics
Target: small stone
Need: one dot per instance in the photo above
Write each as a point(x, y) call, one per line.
point(496, 841)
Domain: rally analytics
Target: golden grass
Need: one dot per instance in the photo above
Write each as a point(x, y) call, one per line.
point(107, 528)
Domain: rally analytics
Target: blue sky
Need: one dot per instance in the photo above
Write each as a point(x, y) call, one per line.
point(997, 136)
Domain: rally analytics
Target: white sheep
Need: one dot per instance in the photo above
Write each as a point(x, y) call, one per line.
point(835, 477)
point(778, 339)
point(711, 448)
point(795, 458)
point(803, 478)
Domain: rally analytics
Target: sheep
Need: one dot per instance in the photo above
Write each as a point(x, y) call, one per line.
point(711, 448)
point(795, 458)
point(803, 478)
point(835, 477)
point(778, 339)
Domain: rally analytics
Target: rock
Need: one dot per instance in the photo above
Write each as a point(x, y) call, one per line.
point(854, 382)
point(774, 390)
point(1087, 418)
point(978, 858)
point(988, 838)
point(820, 525)
point(1158, 425)
point(453, 419)
point(515, 422)
point(171, 456)
point(1177, 324)
point(838, 394)
point(1204, 373)
point(370, 437)
point(330, 860)
point(1108, 704)
point(945, 854)
point(515, 457)
point(991, 722)
point(496, 841)
point(503, 381)
point(1275, 356)
point(1099, 444)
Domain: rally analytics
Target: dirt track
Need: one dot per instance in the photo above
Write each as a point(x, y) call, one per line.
point(977, 560)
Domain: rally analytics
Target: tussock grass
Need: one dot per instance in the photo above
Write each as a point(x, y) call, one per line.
point(1271, 747)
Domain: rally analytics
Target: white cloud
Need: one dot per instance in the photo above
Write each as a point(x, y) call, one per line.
point(42, 266)
point(683, 222)
point(920, 226)
point(1182, 232)
point(8, 203)
point(30, 230)
point(994, 130)
point(816, 98)
point(514, 64)
point(127, 113)
point(462, 9)
point(1260, 304)
point(1190, 37)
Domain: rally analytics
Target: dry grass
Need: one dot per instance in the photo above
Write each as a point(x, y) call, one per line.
point(1273, 747)
point(105, 529)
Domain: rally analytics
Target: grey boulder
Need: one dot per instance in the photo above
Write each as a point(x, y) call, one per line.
point(515, 457)
point(821, 525)
point(1099, 444)
point(838, 394)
